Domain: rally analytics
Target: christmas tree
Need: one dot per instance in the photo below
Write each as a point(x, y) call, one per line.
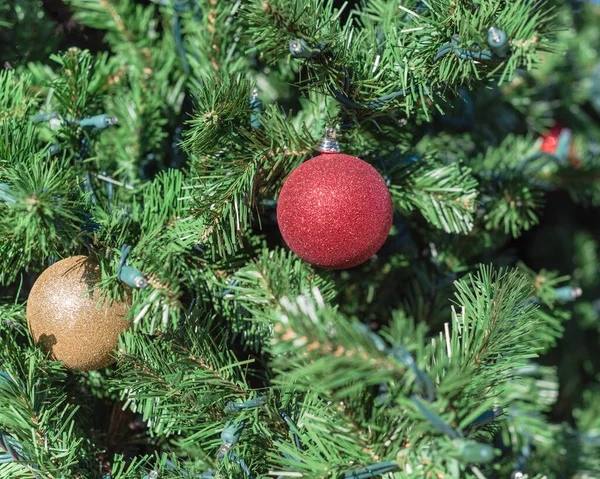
point(186, 293)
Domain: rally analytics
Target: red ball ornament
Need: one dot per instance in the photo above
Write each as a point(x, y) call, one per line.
point(335, 211)
point(550, 145)
point(550, 142)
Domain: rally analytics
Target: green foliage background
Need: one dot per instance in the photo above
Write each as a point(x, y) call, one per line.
point(467, 347)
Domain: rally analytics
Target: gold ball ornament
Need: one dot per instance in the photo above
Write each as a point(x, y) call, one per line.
point(67, 318)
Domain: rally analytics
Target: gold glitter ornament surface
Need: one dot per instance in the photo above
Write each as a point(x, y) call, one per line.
point(67, 319)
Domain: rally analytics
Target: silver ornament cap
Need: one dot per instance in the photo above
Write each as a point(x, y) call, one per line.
point(329, 142)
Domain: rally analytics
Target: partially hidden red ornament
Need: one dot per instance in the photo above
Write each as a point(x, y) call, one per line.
point(550, 142)
point(335, 210)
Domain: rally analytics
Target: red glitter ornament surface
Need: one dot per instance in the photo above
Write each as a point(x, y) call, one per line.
point(335, 211)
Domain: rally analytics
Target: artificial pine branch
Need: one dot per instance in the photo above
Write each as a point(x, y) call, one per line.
point(243, 360)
